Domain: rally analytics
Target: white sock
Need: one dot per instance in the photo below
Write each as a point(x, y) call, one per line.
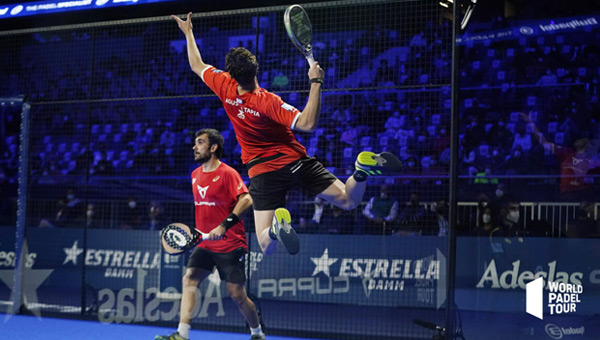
point(184, 330)
point(257, 330)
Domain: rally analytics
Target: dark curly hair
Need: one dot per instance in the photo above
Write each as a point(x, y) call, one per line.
point(242, 65)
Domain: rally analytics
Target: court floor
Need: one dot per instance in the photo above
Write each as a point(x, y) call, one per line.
point(21, 327)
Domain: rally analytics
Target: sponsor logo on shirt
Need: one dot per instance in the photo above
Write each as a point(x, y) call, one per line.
point(233, 102)
point(202, 191)
point(241, 114)
point(216, 178)
point(242, 110)
point(214, 70)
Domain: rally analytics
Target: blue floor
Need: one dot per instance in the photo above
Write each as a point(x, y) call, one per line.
point(20, 327)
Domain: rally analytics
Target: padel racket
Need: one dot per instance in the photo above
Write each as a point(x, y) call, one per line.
point(298, 28)
point(178, 237)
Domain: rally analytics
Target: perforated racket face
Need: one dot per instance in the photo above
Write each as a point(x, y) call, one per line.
point(176, 238)
point(298, 27)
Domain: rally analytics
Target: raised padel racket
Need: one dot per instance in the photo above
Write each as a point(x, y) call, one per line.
point(298, 28)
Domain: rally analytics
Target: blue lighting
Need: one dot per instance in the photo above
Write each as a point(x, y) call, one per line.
point(47, 7)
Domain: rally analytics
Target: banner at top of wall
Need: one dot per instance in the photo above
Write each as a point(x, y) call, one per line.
point(526, 29)
point(46, 7)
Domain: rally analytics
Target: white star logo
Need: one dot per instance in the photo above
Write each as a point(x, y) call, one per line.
point(30, 281)
point(202, 191)
point(322, 263)
point(72, 253)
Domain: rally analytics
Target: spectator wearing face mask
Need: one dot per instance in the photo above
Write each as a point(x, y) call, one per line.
point(92, 219)
point(511, 218)
point(500, 193)
point(132, 214)
point(156, 216)
point(491, 228)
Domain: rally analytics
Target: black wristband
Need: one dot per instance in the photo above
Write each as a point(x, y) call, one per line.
point(316, 80)
point(230, 221)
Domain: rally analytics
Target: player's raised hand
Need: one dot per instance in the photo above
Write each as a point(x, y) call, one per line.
point(315, 71)
point(184, 25)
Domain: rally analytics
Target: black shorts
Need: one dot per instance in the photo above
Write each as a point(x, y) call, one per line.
point(268, 190)
point(231, 265)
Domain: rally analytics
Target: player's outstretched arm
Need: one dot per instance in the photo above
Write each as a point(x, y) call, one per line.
point(309, 118)
point(194, 57)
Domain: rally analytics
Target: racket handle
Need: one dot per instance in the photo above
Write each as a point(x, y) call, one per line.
point(205, 235)
point(311, 60)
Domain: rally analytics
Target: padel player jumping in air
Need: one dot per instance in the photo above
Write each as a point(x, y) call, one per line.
point(220, 197)
point(276, 161)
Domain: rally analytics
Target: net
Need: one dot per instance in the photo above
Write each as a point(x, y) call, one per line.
point(114, 108)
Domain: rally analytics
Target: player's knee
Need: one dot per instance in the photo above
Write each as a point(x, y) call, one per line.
point(238, 296)
point(347, 204)
point(189, 281)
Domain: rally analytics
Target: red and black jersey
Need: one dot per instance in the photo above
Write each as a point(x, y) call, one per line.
point(262, 121)
point(215, 195)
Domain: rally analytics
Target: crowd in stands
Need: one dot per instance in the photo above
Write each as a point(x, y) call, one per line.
point(522, 101)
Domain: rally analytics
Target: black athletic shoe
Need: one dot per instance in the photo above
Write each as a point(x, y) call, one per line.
point(378, 163)
point(285, 233)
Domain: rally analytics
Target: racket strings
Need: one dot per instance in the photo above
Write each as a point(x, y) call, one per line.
point(176, 237)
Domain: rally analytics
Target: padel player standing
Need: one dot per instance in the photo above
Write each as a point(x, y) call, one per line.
point(276, 161)
point(220, 197)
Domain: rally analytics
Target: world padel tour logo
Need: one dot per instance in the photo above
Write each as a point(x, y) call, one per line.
point(563, 297)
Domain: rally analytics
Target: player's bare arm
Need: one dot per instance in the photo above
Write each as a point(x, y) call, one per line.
point(309, 118)
point(194, 57)
point(244, 202)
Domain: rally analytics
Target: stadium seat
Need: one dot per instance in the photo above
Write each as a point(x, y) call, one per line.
point(559, 138)
point(484, 150)
point(514, 117)
point(366, 141)
point(431, 130)
point(511, 127)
